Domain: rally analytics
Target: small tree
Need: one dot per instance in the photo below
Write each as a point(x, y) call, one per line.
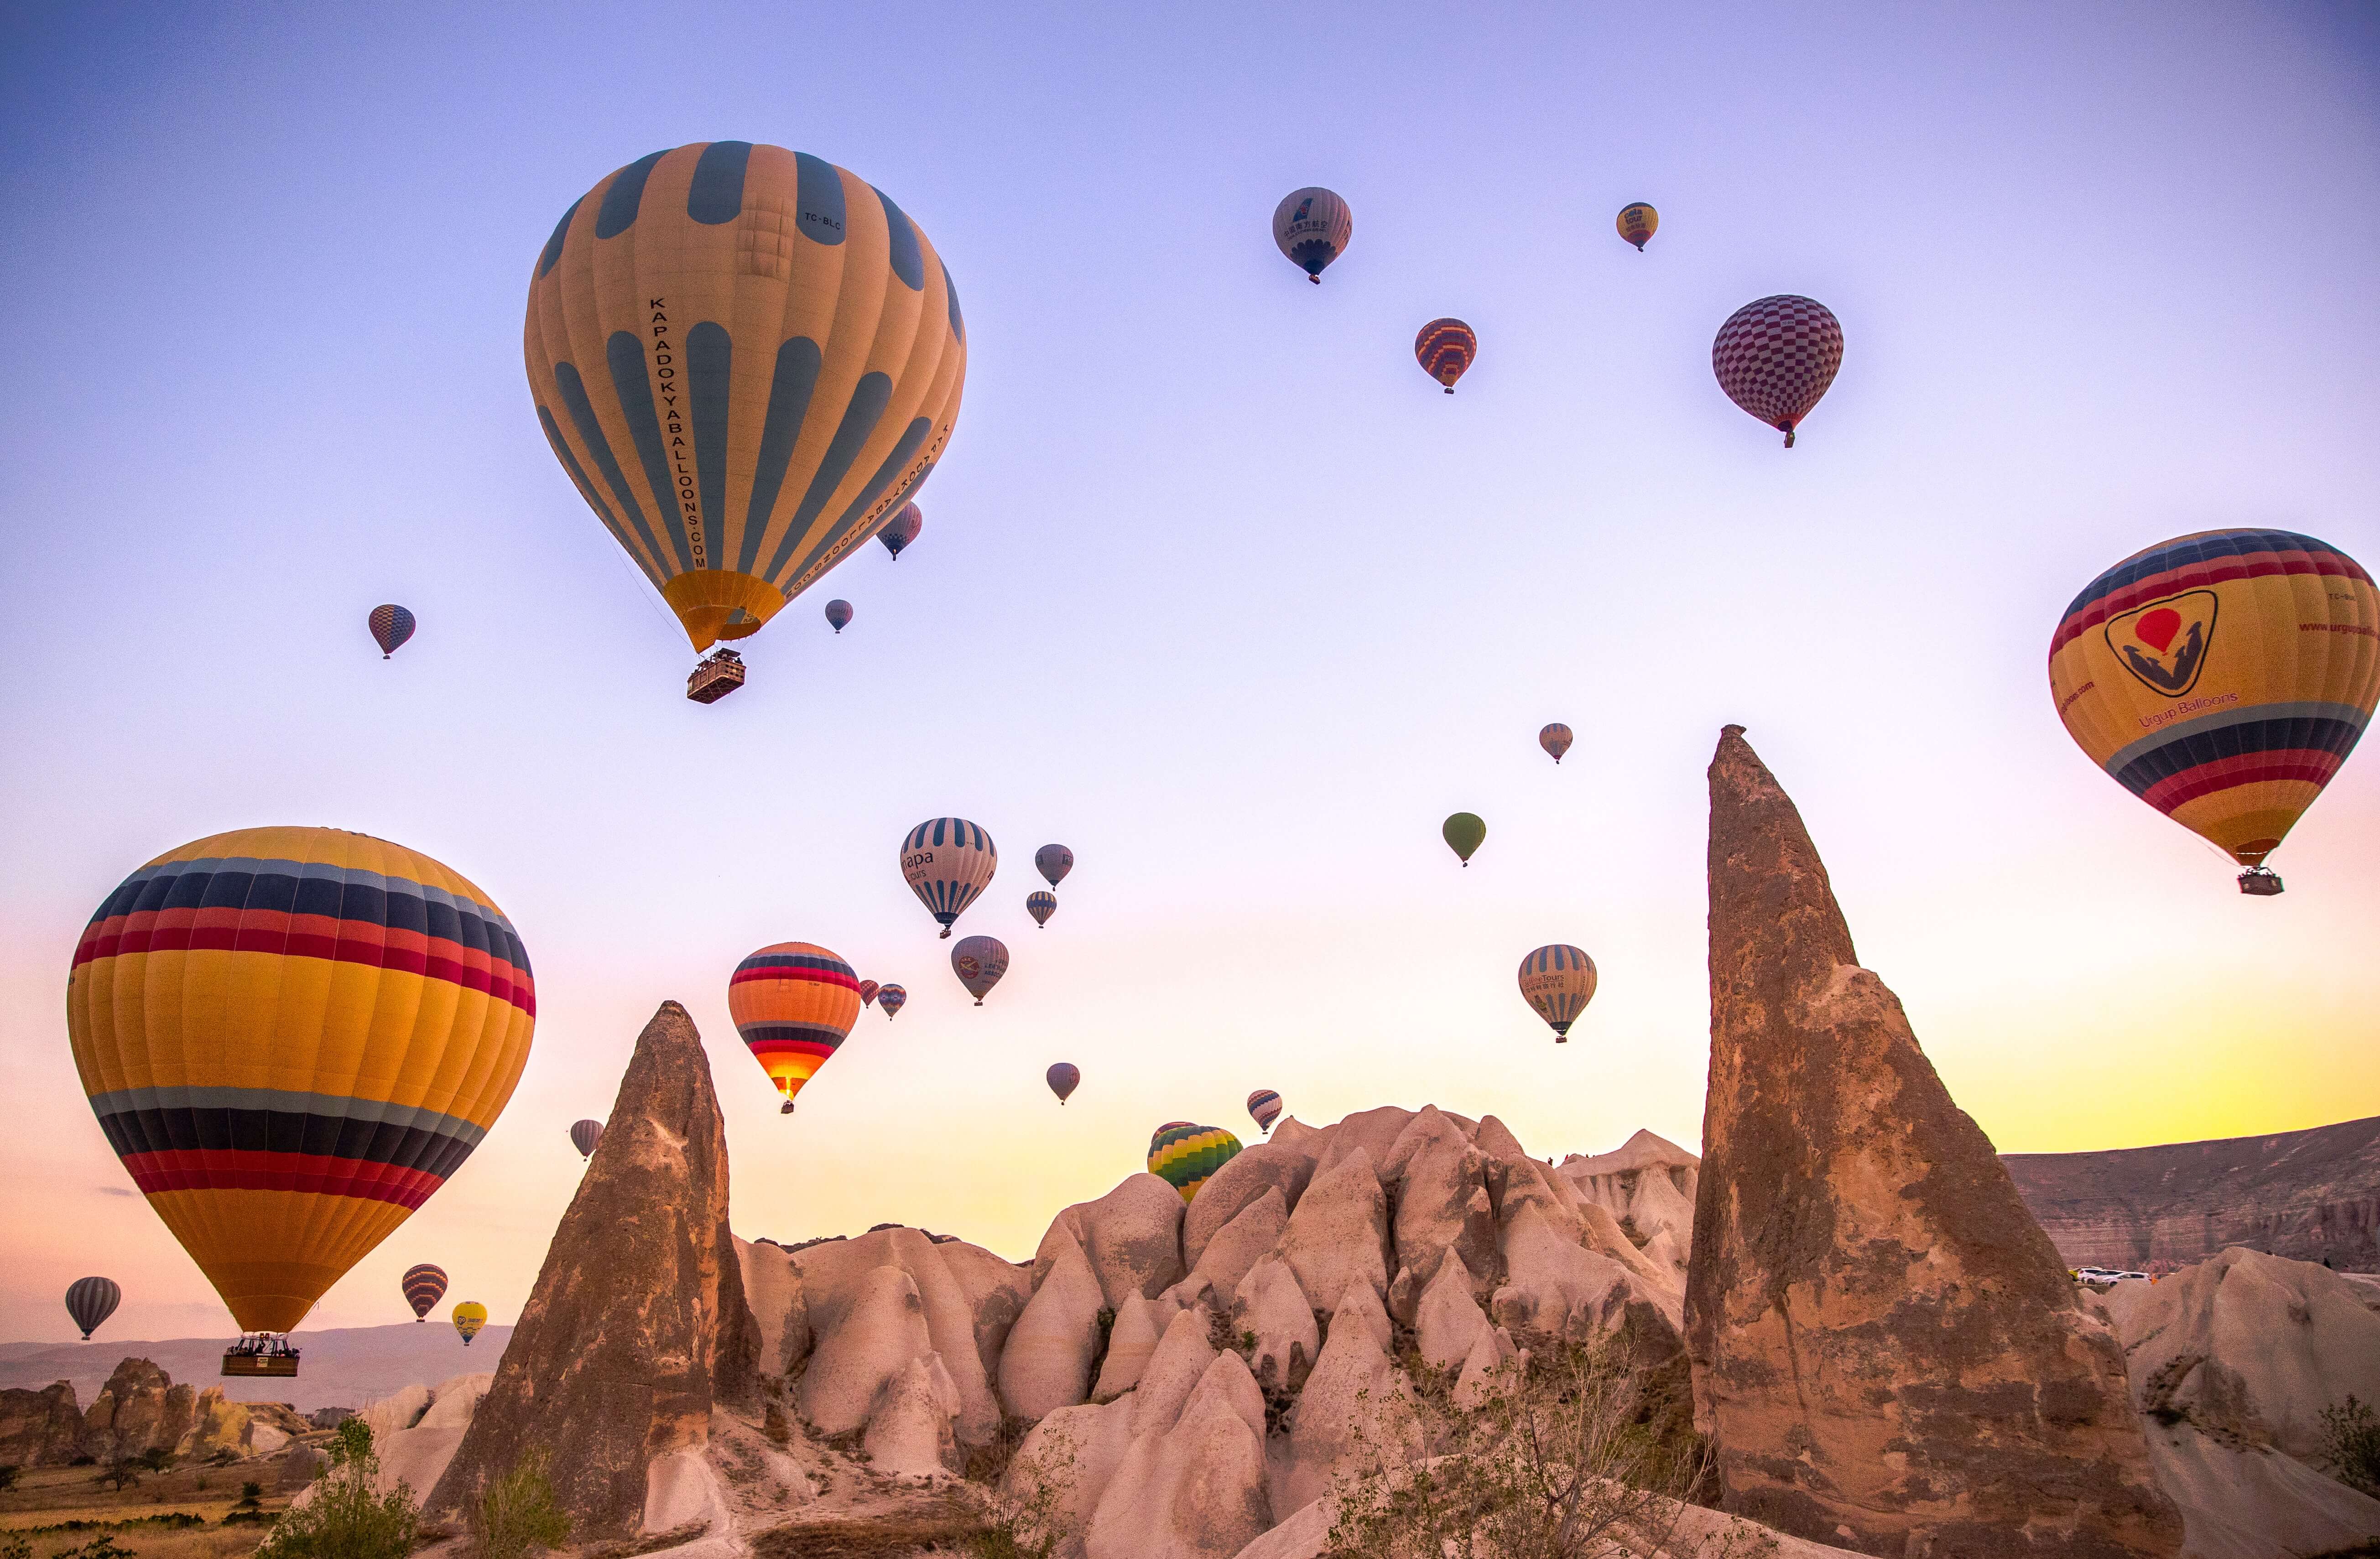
point(2354, 1443)
point(157, 1458)
point(250, 1496)
point(346, 1516)
point(122, 1473)
point(516, 1514)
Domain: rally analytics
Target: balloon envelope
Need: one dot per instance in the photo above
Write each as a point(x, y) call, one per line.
point(979, 961)
point(583, 1135)
point(891, 999)
point(948, 862)
point(1053, 862)
point(1064, 1076)
point(1464, 833)
point(838, 614)
point(794, 1004)
point(1041, 904)
point(292, 1037)
point(1444, 349)
point(1637, 221)
point(902, 528)
point(2222, 677)
point(1775, 355)
point(91, 1300)
point(1555, 739)
point(1264, 1107)
point(423, 1286)
point(1185, 1156)
point(469, 1316)
point(747, 359)
point(1559, 981)
point(868, 989)
point(1312, 227)
point(391, 627)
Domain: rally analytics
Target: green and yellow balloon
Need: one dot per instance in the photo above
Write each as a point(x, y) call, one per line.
point(1186, 1157)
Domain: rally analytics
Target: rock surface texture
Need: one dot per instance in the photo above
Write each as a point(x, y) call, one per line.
point(39, 1427)
point(1887, 1353)
point(638, 1323)
point(139, 1409)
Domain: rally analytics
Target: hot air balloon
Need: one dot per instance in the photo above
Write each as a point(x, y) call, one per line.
point(423, 1286)
point(1064, 1076)
point(1444, 348)
point(1053, 862)
point(838, 613)
point(291, 1037)
point(1559, 981)
point(868, 989)
point(794, 1004)
point(1264, 1109)
point(1775, 356)
point(583, 1135)
point(947, 861)
point(1312, 226)
point(469, 1316)
point(1555, 739)
point(1186, 1157)
point(747, 359)
point(891, 999)
point(1041, 904)
point(902, 528)
point(91, 1300)
point(2222, 678)
point(1637, 223)
point(391, 627)
point(979, 961)
point(1464, 833)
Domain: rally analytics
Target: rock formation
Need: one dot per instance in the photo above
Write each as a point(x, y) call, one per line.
point(2306, 1195)
point(139, 1409)
point(39, 1427)
point(1887, 1353)
point(638, 1323)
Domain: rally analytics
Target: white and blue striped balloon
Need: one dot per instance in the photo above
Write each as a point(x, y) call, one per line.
point(948, 862)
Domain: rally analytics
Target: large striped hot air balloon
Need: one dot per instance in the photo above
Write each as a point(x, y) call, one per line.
point(891, 999)
point(91, 1300)
point(1312, 226)
point(1637, 221)
point(794, 1004)
point(391, 627)
point(747, 359)
point(1185, 1156)
point(469, 1316)
point(1444, 349)
point(1555, 739)
point(1264, 1109)
point(1559, 981)
point(1775, 355)
point(902, 529)
point(423, 1286)
point(979, 961)
point(2223, 677)
point(292, 1037)
point(948, 862)
point(1064, 1078)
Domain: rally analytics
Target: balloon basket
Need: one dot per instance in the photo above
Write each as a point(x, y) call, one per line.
point(261, 1356)
point(2260, 882)
point(715, 676)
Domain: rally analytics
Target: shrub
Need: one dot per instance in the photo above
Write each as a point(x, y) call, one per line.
point(517, 1513)
point(122, 1473)
point(248, 1494)
point(347, 1518)
point(2354, 1443)
point(16, 1545)
point(157, 1458)
point(8, 1472)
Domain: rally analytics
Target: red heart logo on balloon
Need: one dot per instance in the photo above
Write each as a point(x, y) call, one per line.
point(2157, 628)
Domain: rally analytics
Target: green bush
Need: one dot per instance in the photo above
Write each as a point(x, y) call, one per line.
point(2354, 1443)
point(346, 1516)
point(516, 1514)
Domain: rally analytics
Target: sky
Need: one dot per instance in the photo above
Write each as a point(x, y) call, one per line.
point(1216, 587)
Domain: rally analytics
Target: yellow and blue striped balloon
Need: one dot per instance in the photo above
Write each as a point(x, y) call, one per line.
point(1186, 1157)
point(1559, 981)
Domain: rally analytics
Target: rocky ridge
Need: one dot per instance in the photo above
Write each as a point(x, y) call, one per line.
point(139, 1409)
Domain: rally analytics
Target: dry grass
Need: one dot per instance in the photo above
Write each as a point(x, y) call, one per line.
point(53, 1496)
point(158, 1542)
point(884, 1538)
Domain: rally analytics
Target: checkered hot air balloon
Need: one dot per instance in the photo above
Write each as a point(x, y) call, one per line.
point(391, 627)
point(794, 1004)
point(1555, 739)
point(1775, 356)
point(1186, 1157)
point(423, 1286)
point(1559, 981)
point(1064, 1078)
point(1444, 349)
point(868, 989)
point(1264, 1109)
point(1312, 226)
point(891, 999)
point(979, 961)
point(902, 528)
point(948, 862)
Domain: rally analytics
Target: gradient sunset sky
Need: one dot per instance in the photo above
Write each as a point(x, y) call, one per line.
point(1215, 587)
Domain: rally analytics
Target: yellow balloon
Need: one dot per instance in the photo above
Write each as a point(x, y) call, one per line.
point(748, 361)
point(1637, 221)
point(469, 1316)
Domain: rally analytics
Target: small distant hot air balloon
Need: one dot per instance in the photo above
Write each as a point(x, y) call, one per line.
point(794, 1004)
point(868, 989)
point(1041, 904)
point(1186, 1157)
point(1264, 1109)
point(947, 861)
point(583, 1135)
point(1444, 349)
point(469, 1316)
point(1555, 739)
point(423, 1286)
point(1637, 223)
point(979, 961)
point(1064, 1076)
point(391, 627)
point(1559, 981)
point(91, 1300)
point(1312, 226)
point(1464, 833)
point(1775, 355)
point(838, 613)
point(2223, 677)
point(902, 528)
point(891, 999)
point(1053, 862)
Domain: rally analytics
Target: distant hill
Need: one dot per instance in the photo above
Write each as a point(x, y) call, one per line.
point(2301, 1194)
point(343, 1368)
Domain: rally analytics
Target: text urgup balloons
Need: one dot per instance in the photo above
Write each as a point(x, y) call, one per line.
point(1775, 355)
point(1312, 226)
point(292, 1037)
point(979, 961)
point(1559, 981)
point(2223, 677)
point(391, 627)
point(91, 1300)
point(747, 359)
point(948, 862)
point(1555, 739)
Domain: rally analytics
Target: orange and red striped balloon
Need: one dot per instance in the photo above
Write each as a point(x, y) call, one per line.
point(794, 1005)
point(1444, 349)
